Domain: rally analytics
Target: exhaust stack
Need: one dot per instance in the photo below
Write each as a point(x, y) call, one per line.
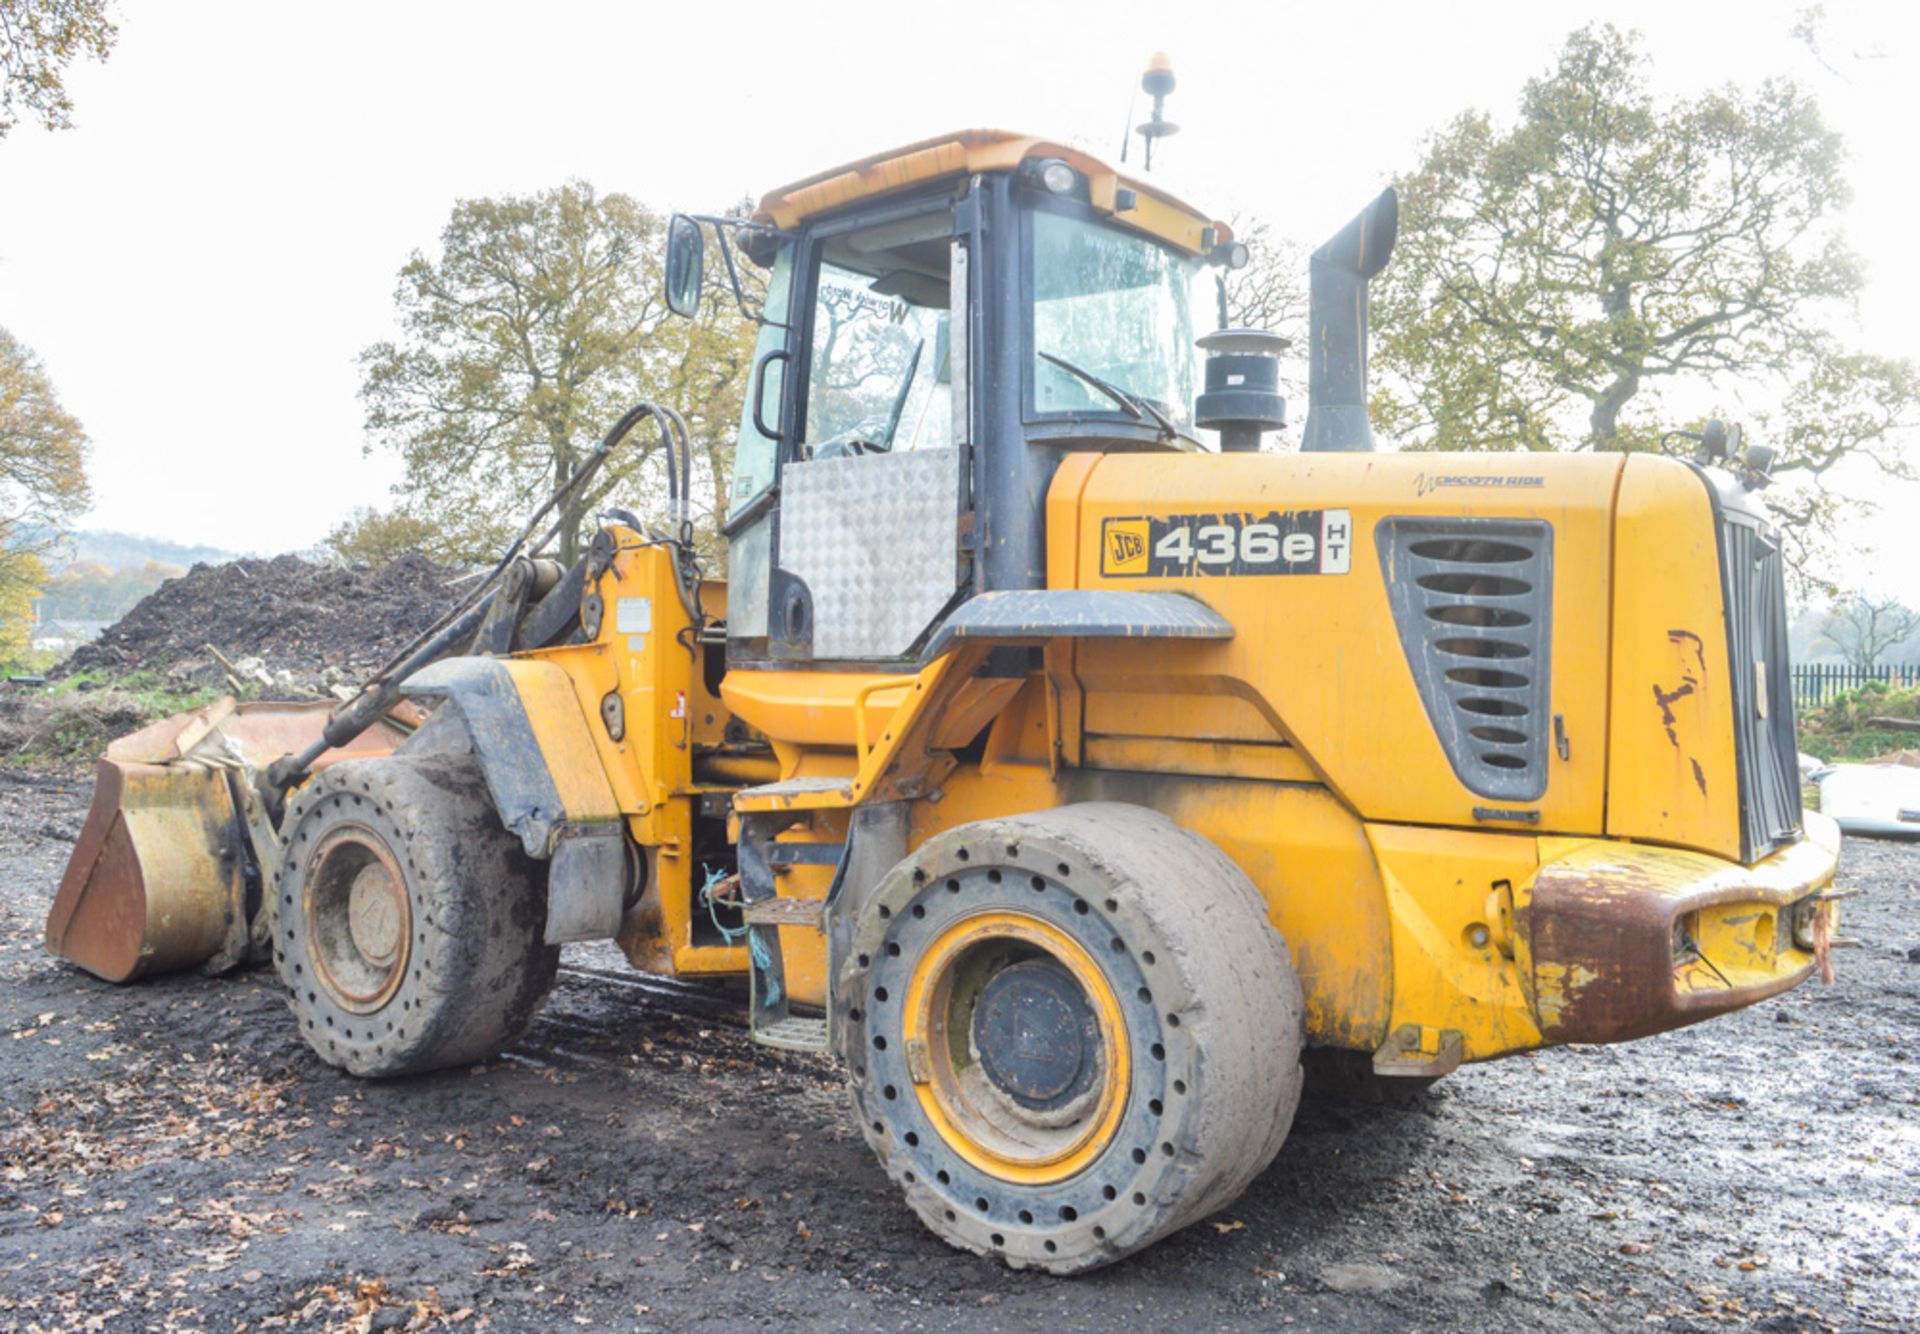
point(1337, 327)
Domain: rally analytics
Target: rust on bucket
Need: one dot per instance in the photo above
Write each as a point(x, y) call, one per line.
point(157, 881)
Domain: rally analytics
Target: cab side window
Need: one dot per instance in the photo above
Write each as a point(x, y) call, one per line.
point(880, 376)
point(754, 453)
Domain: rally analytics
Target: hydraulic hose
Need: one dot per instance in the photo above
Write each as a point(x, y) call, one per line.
point(638, 413)
point(457, 626)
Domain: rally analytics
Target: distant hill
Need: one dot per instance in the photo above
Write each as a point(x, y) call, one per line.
point(118, 551)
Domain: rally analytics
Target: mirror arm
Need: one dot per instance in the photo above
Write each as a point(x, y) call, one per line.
point(733, 277)
point(720, 226)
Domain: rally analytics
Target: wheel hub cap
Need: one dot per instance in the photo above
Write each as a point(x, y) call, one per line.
point(373, 913)
point(1020, 1046)
point(358, 919)
point(1035, 1034)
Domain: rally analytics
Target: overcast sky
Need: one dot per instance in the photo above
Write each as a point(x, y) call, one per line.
point(200, 261)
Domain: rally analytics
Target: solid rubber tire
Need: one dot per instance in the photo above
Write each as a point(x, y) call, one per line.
point(479, 968)
point(1225, 1010)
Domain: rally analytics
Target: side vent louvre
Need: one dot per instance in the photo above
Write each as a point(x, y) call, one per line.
point(1473, 601)
point(1762, 675)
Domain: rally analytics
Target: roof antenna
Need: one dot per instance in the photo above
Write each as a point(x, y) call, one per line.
point(1156, 83)
point(1126, 132)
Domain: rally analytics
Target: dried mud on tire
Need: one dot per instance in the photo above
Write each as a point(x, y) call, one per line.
point(172, 1155)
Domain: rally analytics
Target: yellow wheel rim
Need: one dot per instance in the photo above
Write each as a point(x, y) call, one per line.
point(984, 1122)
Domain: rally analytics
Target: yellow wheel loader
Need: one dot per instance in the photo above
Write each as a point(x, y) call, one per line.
point(1070, 780)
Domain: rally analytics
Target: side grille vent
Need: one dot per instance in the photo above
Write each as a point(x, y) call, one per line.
point(1473, 599)
point(1762, 673)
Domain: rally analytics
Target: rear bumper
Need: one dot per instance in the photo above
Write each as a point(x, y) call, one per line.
point(1618, 941)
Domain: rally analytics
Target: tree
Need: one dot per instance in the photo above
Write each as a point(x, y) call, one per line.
point(538, 324)
point(38, 40)
point(92, 591)
point(16, 607)
point(1553, 276)
point(43, 478)
point(1271, 294)
point(1866, 629)
point(375, 537)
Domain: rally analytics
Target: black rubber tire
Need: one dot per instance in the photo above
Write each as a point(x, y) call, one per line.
point(1212, 1011)
point(477, 968)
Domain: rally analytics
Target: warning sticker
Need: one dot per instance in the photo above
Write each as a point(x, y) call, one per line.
point(633, 616)
point(1192, 545)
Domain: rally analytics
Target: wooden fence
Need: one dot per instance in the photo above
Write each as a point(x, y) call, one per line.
point(1816, 683)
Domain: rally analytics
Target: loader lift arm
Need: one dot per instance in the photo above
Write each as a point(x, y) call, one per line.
point(458, 628)
point(157, 880)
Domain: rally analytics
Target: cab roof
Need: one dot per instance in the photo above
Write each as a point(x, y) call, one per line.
point(968, 152)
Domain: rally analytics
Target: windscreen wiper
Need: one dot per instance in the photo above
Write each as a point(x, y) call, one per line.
point(1137, 408)
point(900, 398)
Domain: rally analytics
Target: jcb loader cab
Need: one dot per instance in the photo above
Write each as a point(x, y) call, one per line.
point(1067, 777)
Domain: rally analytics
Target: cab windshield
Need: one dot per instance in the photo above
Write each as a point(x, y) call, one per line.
point(1117, 306)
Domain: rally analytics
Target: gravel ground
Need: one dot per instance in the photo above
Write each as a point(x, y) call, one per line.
point(172, 1156)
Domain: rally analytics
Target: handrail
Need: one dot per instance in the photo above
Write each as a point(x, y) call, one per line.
point(861, 748)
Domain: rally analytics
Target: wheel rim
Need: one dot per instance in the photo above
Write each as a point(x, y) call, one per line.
point(1018, 1046)
point(359, 922)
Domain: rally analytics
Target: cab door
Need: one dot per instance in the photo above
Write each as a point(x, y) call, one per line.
point(863, 546)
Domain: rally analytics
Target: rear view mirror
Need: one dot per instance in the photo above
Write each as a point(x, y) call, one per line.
point(686, 261)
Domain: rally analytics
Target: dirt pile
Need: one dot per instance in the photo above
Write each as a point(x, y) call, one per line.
point(310, 625)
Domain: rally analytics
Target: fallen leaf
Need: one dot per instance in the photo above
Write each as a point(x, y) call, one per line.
point(1224, 1228)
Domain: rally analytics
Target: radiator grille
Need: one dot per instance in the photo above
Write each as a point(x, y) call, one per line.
point(1473, 599)
point(1766, 750)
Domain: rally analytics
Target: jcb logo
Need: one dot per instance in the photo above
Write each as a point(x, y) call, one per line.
point(1126, 547)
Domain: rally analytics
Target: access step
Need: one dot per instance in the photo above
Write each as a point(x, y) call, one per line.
point(793, 1033)
point(795, 794)
point(784, 912)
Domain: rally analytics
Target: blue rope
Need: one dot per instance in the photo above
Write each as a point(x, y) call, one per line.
point(727, 933)
point(763, 962)
point(756, 941)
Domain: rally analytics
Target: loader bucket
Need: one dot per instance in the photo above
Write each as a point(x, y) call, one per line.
point(157, 881)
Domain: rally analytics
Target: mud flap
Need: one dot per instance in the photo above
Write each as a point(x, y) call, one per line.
point(587, 883)
point(533, 743)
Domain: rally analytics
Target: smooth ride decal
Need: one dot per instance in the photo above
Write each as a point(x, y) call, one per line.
point(1186, 545)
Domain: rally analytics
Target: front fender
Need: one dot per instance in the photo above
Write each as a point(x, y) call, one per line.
point(532, 741)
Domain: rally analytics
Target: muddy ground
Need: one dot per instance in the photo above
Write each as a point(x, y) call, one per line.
point(172, 1156)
